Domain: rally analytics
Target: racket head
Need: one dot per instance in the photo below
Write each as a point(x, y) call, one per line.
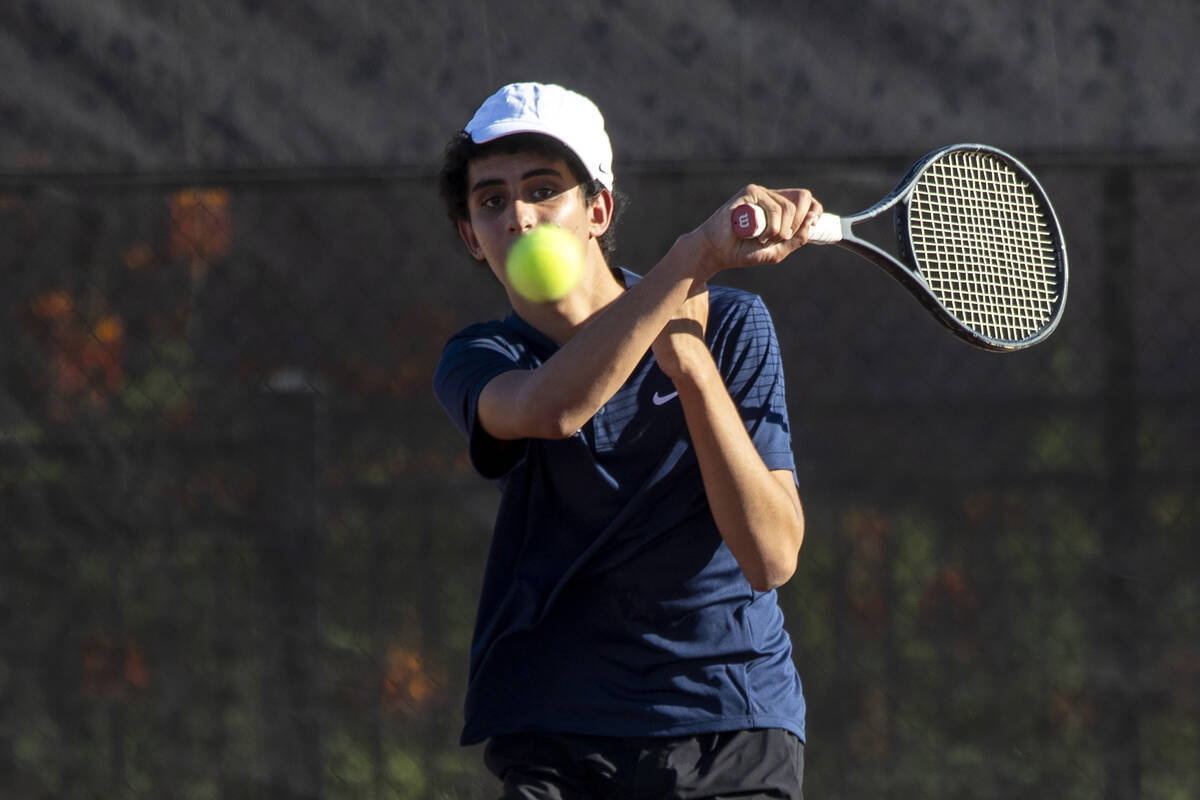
point(984, 246)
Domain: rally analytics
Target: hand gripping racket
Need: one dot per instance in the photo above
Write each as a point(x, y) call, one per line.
point(977, 240)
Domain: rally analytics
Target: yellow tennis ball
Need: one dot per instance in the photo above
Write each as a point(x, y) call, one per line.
point(545, 264)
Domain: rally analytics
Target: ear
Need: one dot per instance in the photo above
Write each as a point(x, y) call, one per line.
point(468, 236)
point(600, 214)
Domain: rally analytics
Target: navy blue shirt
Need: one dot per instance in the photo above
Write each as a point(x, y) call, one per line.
point(610, 604)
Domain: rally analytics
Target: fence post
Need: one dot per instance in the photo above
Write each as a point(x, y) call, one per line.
point(1118, 616)
point(291, 415)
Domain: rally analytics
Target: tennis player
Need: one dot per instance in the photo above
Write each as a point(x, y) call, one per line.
point(628, 641)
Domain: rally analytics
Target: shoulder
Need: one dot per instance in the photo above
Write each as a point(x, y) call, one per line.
point(731, 299)
point(742, 338)
point(474, 355)
point(509, 339)
point(480, 333)
point(735, 311)
point(470, 359)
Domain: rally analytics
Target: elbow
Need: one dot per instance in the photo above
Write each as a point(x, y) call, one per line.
point(771, 576)
point(773, 570)
point(544, 420)
point(551, 426)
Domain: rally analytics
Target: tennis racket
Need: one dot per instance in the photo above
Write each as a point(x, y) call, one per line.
point(977, 243)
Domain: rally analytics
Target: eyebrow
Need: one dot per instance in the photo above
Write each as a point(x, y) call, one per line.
point(533, 173)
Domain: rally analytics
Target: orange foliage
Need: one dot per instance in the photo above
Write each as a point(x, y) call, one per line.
point(949, 593)
point(112, 669)
point(201, 227)
point(109, 329)
point(407, 685)
point(53, 304)
point(138, 256)
point(85, 353)
point(868, 531)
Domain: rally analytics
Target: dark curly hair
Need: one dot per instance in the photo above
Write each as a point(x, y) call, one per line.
point(461, 151)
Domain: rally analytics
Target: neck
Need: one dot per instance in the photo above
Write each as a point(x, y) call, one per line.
point(562, 320)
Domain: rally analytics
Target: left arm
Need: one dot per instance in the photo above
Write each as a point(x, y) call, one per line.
point(757, 510)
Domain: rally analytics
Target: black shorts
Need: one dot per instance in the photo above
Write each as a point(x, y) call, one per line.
point(767, 763)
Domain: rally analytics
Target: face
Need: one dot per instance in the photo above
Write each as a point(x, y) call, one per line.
point(510, 193)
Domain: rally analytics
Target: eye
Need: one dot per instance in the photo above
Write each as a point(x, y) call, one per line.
point(490, 201)
point(544, 193)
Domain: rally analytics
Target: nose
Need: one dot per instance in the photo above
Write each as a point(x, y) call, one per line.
point(523, 217)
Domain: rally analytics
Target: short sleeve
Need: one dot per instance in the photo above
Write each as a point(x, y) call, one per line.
point(469, 361)
point(747, 352)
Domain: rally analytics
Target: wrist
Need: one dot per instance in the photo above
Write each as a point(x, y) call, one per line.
point(696, 250)
point(692, 368)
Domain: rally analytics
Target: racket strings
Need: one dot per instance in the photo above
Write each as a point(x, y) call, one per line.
point(984, 246)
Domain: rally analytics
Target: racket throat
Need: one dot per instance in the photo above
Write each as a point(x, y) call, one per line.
point(878, 227)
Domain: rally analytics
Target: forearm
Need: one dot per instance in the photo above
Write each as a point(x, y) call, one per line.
point(758, 513)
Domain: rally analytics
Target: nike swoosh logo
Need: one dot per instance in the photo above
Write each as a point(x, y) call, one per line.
point(663, 399)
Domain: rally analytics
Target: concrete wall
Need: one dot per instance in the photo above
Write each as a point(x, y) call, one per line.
point(149, 84)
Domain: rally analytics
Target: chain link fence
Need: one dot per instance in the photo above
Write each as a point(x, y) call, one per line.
point(241, 544)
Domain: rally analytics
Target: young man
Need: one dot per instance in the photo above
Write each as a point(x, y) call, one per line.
point(628, 641)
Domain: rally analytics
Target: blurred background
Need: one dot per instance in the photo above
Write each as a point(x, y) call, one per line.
point(240, 543)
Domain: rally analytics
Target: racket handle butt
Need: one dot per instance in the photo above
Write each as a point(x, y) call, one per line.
point(749, 221)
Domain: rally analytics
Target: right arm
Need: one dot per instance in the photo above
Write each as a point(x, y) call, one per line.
point(559, 397)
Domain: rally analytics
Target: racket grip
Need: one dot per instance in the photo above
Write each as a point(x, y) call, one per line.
point(750, 221)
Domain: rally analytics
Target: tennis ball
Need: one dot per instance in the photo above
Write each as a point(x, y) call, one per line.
point(545, 264)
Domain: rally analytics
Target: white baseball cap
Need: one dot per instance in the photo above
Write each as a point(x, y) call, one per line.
point(550, 110)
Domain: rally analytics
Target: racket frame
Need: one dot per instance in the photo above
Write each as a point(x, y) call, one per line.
point(904, 267)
